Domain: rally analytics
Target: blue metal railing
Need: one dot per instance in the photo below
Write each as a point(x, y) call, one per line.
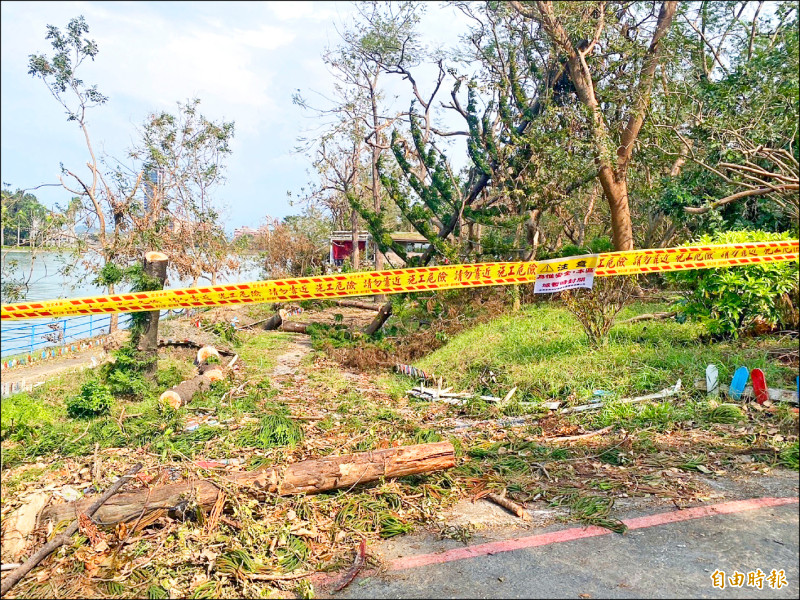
point(26, 338)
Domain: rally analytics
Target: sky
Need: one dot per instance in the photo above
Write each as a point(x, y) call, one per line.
point(243, 60)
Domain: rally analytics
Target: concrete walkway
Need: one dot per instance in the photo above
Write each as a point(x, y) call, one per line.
point(749, 523)
point(661, 560)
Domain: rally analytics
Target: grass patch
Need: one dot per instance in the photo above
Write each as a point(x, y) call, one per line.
point(258, 350)
point(272, 431)
point(790, 456)
point(544, 352)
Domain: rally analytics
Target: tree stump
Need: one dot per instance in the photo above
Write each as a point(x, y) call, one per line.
point(155, 268)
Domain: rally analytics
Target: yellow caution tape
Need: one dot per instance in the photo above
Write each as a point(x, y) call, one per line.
point(410, 280)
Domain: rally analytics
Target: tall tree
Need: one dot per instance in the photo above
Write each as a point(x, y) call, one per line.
point(160, 198)
point(575, 31)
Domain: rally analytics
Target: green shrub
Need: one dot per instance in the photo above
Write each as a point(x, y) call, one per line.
point(126, 375)
point(94, 400)
point(727, 300)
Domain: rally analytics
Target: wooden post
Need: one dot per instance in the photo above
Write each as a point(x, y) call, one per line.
point(155, 267)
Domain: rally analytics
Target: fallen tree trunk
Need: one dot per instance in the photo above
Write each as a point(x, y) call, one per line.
point(304, 477)
point(274, 322)
point(182, 394)
point(294, 327)
point(383, 314)
point(358, 304)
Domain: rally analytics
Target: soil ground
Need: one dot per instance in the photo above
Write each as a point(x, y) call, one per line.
point(649, 469)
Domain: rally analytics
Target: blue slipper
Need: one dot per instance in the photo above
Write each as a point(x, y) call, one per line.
point(738, 383)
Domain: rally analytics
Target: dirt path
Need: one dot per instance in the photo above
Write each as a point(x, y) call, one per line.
point(43, 371)
point(289, 361)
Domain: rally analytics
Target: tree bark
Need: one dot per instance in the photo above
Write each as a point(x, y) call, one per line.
point(113, 319)
point(358, 304)
point(383, 314)
point(155, 267)
point(305, 477)
point(616, 192)
point(294, 327)
point(274, 322)
point(376, 195)
point(89, 509)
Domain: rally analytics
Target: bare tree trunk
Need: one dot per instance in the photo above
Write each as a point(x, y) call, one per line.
point(155, 267)
point(616, 192)
point(113, 319)
point(532, 232)
point(376, 195)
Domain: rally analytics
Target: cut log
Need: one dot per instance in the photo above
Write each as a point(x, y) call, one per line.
point(20, 525)
point(358, 304)
point(305, 477)
point(383, 314)
point(155, 269)
point(275, 321)
point(182, 394)
point(205, 354)
point(88, 509)
point(294, 327)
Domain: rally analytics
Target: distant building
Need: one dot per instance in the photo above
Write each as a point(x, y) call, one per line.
point(240, 231)
point(341, 246)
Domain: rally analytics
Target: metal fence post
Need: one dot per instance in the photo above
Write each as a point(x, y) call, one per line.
point(91, 325)
point(64, 332)
point(33, 338)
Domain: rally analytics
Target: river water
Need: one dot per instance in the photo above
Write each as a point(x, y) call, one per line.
point(46, 283)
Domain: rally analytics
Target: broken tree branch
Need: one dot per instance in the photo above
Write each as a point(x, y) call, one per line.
point(383, 314)
point(699, 210)
point(508, 505)
point(64, 538)
point(358, 564)
point(649, 317)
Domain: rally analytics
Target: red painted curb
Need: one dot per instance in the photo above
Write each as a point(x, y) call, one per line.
point(575, 533)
